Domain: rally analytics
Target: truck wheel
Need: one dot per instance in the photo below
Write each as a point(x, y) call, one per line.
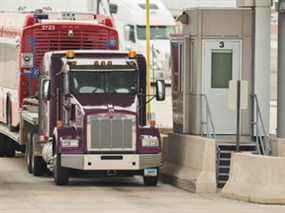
point(29, 153)
point(150, 181)
point(38, 164)
point(10, 151)
point(61, 174)
point(9, 116)
point(2, 147)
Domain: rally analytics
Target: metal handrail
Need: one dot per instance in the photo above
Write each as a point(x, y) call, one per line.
point(262, 141)
point(209, 116)
point(218, 151)
point(211, 131)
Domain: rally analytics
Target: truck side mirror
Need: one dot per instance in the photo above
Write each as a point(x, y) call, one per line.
point(113, 8)
point(160, 90)
point(45, 90)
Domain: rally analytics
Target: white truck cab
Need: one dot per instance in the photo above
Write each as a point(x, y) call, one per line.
point(130, 20)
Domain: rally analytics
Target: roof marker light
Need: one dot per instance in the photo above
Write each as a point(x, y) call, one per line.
point(132, 54)
point(70, 54)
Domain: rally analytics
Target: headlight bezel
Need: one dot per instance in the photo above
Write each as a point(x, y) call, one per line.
point(69, 143)
point(150, 141)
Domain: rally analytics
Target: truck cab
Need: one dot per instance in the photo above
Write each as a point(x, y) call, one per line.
point(92, 116)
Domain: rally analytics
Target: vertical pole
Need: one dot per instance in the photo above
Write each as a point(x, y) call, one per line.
point(238, 116)
point(281, 71)
point(253, 27)
point(153, 62)
point(90, 5)
point(148, 49)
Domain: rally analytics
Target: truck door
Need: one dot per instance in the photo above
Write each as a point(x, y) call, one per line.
point(221, 63)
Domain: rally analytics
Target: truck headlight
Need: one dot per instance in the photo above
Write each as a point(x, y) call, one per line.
point(27, 60)
point(150, 141)
point(69, 143)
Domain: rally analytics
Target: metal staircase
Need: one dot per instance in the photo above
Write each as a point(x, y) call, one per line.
point(224, 151)
point(258, 143)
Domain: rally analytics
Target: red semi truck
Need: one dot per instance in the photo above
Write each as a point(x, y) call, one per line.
point(25, 38)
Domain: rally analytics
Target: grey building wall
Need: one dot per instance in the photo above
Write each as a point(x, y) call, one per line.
point(177, 6)
point(12, 5)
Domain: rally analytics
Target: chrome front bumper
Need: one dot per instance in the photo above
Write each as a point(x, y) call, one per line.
point(93, 162)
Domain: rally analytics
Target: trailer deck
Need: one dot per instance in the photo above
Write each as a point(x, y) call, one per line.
point(12, 135)
point(30, 117)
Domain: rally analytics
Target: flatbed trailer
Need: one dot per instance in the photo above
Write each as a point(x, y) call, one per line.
point(4, 130)
point(10, 141)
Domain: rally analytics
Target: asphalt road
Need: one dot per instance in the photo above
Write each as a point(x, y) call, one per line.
point(20, 192)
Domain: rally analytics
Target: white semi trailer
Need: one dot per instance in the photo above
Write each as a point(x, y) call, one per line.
point(130, 20)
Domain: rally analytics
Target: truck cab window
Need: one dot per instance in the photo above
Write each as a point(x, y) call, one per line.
point(94, 82)
point(157, 32)
point(122, 82)
point(86, 82)
point(130, 33)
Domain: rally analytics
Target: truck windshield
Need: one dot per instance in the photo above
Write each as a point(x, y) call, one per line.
point(94, 82)
point(157, 32)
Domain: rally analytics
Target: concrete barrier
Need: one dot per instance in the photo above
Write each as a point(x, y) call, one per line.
point(256, 178)
point(190, 163)
point(278, 146)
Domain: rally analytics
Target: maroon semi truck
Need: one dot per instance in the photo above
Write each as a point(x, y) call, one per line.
point(90, 117)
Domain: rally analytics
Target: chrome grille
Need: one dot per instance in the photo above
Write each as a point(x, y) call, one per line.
point(116, 132)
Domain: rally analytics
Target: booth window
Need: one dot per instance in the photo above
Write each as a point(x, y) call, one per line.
point(222, 68)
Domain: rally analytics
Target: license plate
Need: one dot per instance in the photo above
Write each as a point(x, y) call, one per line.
point(150, 172)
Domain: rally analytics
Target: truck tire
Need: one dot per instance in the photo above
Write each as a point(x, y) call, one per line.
point(10, 151)
point(38, 164)
point(150, 181)
point(9, 116)
point(2, 147)
point(35, 164)
point(61, 174)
